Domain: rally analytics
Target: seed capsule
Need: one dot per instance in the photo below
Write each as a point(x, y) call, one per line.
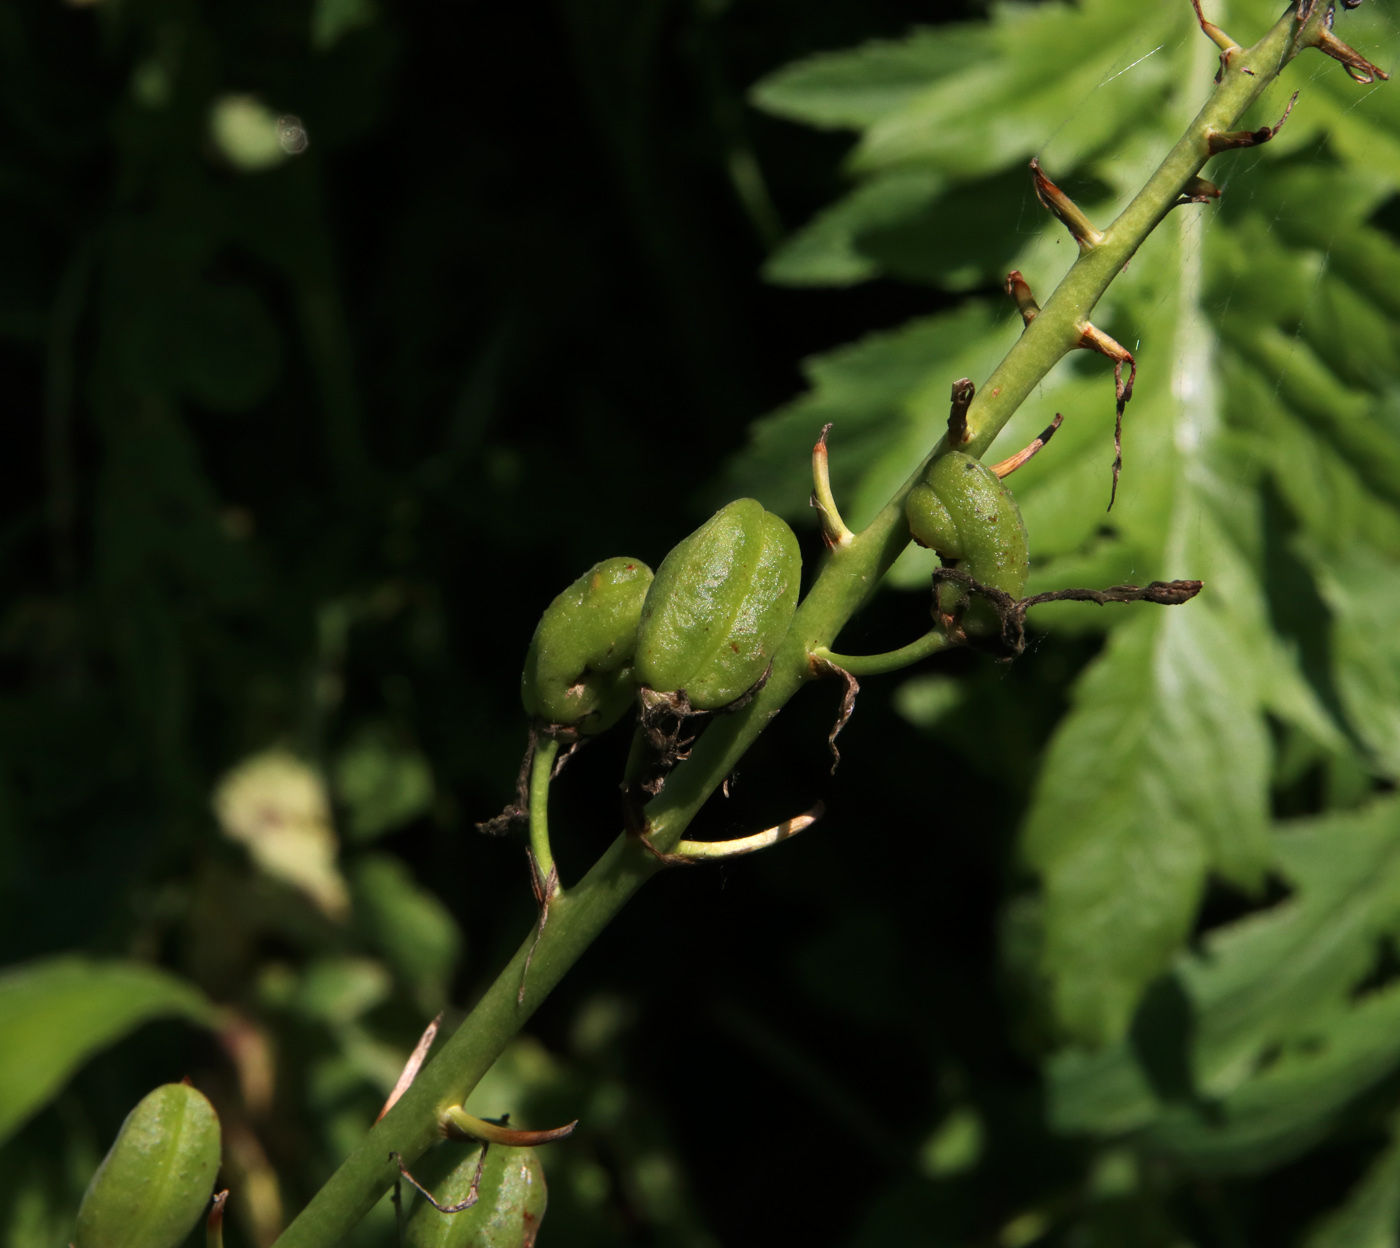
point(578, 667)
point(156, 1179)
point(511, 1199)
point(720, 605)
point(965, 512)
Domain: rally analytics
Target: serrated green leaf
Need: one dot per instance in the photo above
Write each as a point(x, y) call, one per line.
point(57, 1013)
point(1158, 774)
point(1278, 981)
point(852, 89)
point(1268, 357)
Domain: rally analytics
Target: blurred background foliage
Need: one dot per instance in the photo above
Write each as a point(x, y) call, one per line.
point(339, 336)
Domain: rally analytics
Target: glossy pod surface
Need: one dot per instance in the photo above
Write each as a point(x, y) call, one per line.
point(157, 1178)
point(577, 670)
point(964, 511)
point(720, 605)
point(510, 1201)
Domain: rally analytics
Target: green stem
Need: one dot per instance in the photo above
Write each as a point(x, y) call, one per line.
point(847, 580)
point(891, 661)
point(540, 771)
point(1055, 332)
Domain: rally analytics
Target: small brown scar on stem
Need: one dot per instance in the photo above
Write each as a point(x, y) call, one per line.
point(1019, 289)
point(544, 887)
point(962, 396)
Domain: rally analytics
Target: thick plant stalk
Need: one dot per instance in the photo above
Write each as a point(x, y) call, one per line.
point(853, 570)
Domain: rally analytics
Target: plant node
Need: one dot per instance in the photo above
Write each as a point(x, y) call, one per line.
point(962, 396)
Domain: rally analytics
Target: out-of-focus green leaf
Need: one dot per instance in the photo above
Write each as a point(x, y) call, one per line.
point(408, 924)
point(276, 806)
point(57, 1013)
point(246, 133)
point(340, 990)
point(331, 20)
point(1276, 983)
point(1272, 1118)
point(924, 700)
point(383, 783)
point(854, 89)
point(1362, 588)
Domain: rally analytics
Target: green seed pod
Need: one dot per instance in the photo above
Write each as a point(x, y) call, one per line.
point(720, 605)
point(577, 670)
point(510, 1204)
point(157, 1178)
point(964, 511)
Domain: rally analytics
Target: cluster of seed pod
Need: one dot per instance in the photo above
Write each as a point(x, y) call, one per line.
point(701, 631)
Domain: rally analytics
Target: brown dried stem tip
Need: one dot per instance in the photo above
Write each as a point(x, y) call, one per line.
point(214, 1223)
point(413, 1065)
point(963, 392)
point(1215, 34)
point(1094, 339)
point(1013, 610)
point(834, 530)
point(692, 853)
point(824, 667)
point(1235, 139)
point(1009, 465)
point(1357, 66)
point(1198, 191)
point(1091, 338)
point(457, 1124)
point(1019, 290)
point(1066, 209)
